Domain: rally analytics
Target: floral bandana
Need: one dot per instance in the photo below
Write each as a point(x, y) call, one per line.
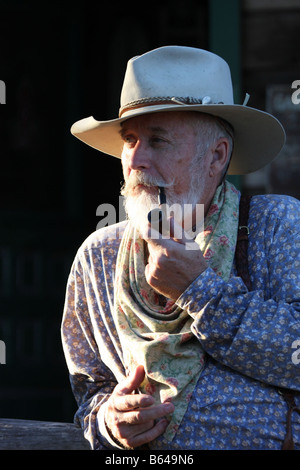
point(158, 334)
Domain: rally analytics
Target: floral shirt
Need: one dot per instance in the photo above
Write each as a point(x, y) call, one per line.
point(251, 338)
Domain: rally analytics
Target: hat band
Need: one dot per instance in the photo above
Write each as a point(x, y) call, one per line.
point(165, 100)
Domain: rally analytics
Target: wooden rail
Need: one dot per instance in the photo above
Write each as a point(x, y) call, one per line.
point(18, 434)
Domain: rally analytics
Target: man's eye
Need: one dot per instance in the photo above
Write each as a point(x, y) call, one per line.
point(157, 140)
point(128, 139)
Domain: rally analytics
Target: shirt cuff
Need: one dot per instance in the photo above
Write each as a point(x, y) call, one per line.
point(205, 287)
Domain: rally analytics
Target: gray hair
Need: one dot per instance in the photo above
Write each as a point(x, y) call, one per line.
point(208, 129)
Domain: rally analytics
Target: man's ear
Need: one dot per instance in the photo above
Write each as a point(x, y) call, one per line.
point(220, 156)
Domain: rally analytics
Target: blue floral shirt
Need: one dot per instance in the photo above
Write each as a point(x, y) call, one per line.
point(251, 338)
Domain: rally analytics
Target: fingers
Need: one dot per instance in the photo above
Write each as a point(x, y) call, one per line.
point(177, 232)
point(133, 419)
point(130, 402)
point(172, 231)
point(147, 414)
point(135, 428)
point(149, 435)
point(124, 397)
point(132, 382)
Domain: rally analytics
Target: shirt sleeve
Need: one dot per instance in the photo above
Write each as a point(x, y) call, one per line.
point(91, 381)
point(255, 332)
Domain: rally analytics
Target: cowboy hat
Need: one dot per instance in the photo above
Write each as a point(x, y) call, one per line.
point(175, 78)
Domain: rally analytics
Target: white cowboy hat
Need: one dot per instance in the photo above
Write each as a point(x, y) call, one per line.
point(175, 78)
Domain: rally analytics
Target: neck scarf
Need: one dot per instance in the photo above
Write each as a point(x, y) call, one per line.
point(158, 334)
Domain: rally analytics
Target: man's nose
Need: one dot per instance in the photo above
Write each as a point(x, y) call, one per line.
point(138, 157)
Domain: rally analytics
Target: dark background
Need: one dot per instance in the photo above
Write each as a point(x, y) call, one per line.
point(62, 62)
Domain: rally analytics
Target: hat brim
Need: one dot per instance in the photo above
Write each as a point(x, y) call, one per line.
point(258, 136)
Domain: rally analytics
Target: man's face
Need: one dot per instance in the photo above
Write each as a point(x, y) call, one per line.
point(160, 150)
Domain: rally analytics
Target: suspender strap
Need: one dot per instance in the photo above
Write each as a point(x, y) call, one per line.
point(241, 253)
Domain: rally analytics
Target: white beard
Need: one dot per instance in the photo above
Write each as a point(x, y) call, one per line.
point(137, 206)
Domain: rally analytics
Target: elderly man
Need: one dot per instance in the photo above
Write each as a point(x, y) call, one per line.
point(168, 343)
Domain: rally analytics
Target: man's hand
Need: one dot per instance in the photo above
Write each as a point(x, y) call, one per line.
point(173, 263)
point(133, 419)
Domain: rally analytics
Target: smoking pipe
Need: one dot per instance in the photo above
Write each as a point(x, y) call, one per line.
point(155, 216)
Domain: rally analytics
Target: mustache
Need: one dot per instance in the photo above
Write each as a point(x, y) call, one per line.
point(144, 179)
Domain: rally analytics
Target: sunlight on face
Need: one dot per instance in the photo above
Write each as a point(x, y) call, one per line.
point(169, 150)
point(140, 189)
